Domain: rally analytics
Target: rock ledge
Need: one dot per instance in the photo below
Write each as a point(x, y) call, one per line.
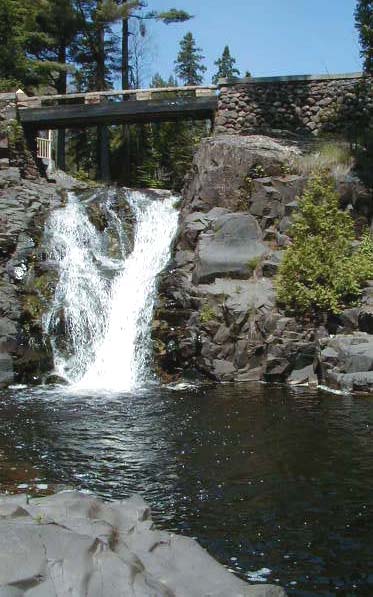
point(75, 544)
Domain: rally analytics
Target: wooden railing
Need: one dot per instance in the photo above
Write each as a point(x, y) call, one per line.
point(93, 97)
point(44, 147)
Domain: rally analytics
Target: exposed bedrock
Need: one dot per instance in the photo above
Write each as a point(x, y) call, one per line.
point(217, 312)
point(75, 544)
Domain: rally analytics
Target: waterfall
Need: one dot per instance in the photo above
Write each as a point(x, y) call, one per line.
point(100, 318)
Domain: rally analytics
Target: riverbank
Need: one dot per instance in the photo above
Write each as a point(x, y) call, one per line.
point(275, 482)
point(78, 544)
point(217, 313)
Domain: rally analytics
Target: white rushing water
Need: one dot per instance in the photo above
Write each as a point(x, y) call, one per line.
point(105, 305)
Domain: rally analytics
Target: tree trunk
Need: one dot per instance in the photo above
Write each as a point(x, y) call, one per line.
point(102, 131)
point(125, 52)
point(61, 87)
point(126, 85)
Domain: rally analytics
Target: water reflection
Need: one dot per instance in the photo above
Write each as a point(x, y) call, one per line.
point(276, 483)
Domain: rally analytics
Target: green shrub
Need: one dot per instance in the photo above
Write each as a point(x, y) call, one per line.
point(320, 272)
point(207, 314)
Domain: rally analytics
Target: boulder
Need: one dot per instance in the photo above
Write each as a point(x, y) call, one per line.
point(75, 544)
point(365, 319)
point(6, 369)
point(232, 247)
point(222, 164)
point(346, 362)
point(303, 376)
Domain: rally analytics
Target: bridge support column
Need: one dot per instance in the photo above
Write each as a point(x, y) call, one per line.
point(103, 153)
point(61, 150)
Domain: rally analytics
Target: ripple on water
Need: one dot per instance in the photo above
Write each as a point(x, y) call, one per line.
point(276, 483)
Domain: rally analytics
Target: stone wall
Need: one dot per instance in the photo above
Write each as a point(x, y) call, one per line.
point(15, 149)
point(7, 113)
point(301, 104)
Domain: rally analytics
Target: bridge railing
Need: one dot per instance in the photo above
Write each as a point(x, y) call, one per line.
point(44, 147)
point(95, 97)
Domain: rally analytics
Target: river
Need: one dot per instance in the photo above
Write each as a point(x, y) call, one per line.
point(276, 483)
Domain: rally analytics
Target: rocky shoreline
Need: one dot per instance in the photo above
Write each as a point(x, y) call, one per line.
point(217, 314)
point(74, 543)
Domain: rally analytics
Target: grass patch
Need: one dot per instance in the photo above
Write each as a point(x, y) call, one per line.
point(333, 157)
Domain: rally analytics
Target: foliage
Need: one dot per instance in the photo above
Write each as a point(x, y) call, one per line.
point(207, 314)
point(320, 272)
point(364, 25)
point(226, 67)
point(9, 85)
point(189, 67)
point(160, 153)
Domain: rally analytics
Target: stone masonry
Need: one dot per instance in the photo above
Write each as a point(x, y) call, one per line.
point(301, 104)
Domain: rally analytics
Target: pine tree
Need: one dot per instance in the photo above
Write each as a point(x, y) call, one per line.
point(320, 272)
point(158, 81)
point(226, 67)
point(32, 37)
point(364, 25)
point(189, 67)
point(135, 11)
point(13, 65)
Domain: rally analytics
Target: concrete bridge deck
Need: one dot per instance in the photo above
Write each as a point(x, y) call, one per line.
point(114, 107)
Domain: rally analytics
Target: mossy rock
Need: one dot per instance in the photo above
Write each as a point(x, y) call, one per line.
point(97, 216)
point(33, 307)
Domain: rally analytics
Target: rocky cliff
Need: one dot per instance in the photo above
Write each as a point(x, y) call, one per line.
point(217, 314)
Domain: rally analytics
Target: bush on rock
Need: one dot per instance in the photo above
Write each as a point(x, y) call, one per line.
point(320, 271)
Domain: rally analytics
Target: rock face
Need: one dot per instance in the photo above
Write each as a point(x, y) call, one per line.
point(216, 312)
point(24, 352)
point(75, 544)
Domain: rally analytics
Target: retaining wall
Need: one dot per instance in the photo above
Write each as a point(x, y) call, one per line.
point(302, 104)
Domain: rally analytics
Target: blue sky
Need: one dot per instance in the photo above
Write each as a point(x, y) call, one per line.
point(267, 37)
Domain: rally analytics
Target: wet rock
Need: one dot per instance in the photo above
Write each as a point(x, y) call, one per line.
point(72, 543)
point(346, 361)
point(303, 376)
point(365, 319)
point(223, 370)
point(277, 369)
point(6, 369)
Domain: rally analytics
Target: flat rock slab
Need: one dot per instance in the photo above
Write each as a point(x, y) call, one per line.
point(74, 544)
point(232, 248)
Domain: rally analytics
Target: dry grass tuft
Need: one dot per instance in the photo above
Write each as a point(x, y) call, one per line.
point(335, 158)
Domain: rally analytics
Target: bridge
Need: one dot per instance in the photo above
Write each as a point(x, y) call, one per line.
point(79, 110)
point(104, 108)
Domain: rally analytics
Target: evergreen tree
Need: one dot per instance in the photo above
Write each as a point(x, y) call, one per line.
point(158, 81)
point(364, 25)
point(13, 65)
point(226, 67)
point(189, 67)
point(31, 37)
point(320, 271)
point(136, 12)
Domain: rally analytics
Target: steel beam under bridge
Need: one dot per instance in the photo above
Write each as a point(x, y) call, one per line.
point(127, 112)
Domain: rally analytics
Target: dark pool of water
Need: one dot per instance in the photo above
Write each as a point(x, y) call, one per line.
point(267, 478)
